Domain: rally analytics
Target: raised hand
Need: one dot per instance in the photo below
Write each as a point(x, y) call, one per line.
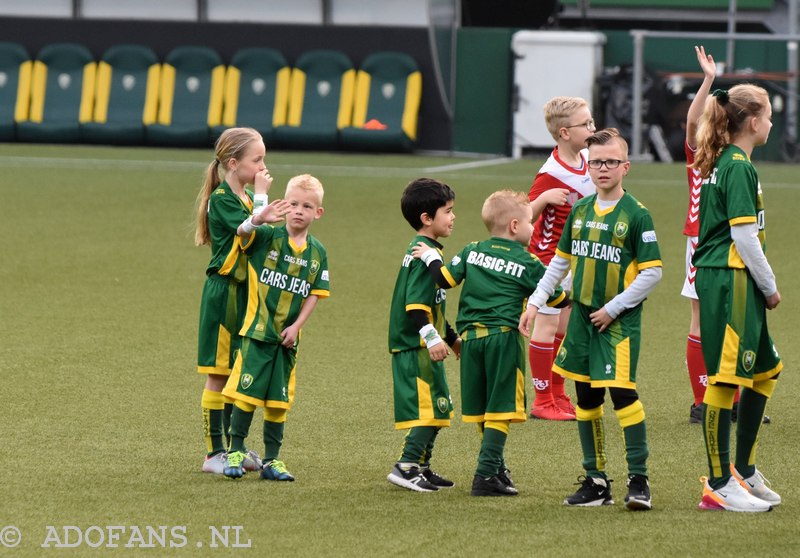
point(706, 62)
point(273, 213)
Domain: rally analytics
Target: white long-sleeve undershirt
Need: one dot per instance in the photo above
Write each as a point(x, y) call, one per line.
point(745, 237)
point(636, 292)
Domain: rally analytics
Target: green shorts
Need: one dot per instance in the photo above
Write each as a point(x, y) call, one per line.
point(493, 378)
point(263, 375)
point(421, 393)
point(604, 359)
point(737, 348)
point(221, 312)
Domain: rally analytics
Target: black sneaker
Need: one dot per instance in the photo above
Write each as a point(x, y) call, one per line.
point(638, 497)
point(735, 415)
point(435, 478)
point(409, 476)
point(696, 414)
point(593, 492)
point(491, 486)
point(505, 477)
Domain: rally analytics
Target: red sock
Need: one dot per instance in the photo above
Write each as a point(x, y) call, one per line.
point(558, 379)
point(541, 358)
point(697, 368)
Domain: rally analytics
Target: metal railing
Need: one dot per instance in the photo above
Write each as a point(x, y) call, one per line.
point(640, 35)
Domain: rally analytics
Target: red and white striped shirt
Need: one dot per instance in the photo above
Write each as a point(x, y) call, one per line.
point(557, 174)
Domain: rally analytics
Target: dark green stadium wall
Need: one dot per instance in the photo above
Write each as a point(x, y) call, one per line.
point(484, 78)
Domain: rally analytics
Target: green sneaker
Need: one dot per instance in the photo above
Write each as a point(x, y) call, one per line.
point(233, 465)
point(275, 470)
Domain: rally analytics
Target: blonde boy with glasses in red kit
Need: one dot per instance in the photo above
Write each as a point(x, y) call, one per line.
point(562, 180)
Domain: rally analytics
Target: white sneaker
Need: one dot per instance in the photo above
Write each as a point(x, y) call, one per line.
point(731, 497)
point(409, 476)
point(758, 486)
point(215, 464)
point(252, 461)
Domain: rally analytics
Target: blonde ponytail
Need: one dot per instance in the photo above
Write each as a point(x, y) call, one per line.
point(232, 144)
point(725, 115)
point(210, 183)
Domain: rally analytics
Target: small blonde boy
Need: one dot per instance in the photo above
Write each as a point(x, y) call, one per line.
point(497, 275)
point(287, 273)
point(562, 180)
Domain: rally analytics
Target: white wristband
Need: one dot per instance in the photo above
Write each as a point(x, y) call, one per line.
point(430, 336)
point(430, 255)
point(537, 299)
point(260, 201)
point(248, 226)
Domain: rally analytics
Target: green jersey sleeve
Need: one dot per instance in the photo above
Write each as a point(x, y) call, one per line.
point(455, 271)
point(645, 242)
point(741, 201)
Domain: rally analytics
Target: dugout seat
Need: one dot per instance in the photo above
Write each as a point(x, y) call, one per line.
point(190, 97)
point(15, 87)
point(126, 95)
point(256, 91)
point(62, 93)
point(320, 100)
point(388, 93)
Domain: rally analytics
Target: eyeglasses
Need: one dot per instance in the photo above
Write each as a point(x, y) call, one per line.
point(589, 125)
point(610, 163)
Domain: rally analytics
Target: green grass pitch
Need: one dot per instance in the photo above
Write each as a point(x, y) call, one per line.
point(100, 399)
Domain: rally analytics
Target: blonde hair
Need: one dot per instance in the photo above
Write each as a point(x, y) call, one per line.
point(308, 183)
point(501, 207)
point(603, 137)
point(232, 144)
point(558, 110)
point(724, 116)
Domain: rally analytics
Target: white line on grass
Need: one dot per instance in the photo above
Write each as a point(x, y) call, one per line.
point(140, 164)
point(469, 165)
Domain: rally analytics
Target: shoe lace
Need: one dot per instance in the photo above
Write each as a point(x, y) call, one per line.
point(235, 459)
point(429, 473)
point(278, 466)
point(637, 482)
point(762, 478)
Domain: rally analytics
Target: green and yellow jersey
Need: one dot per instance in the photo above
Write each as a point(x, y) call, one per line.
point(226, 211)
point(498, 275)
point(730, 196)
point(414, 289)
point(280, 277)
point(607, 248)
